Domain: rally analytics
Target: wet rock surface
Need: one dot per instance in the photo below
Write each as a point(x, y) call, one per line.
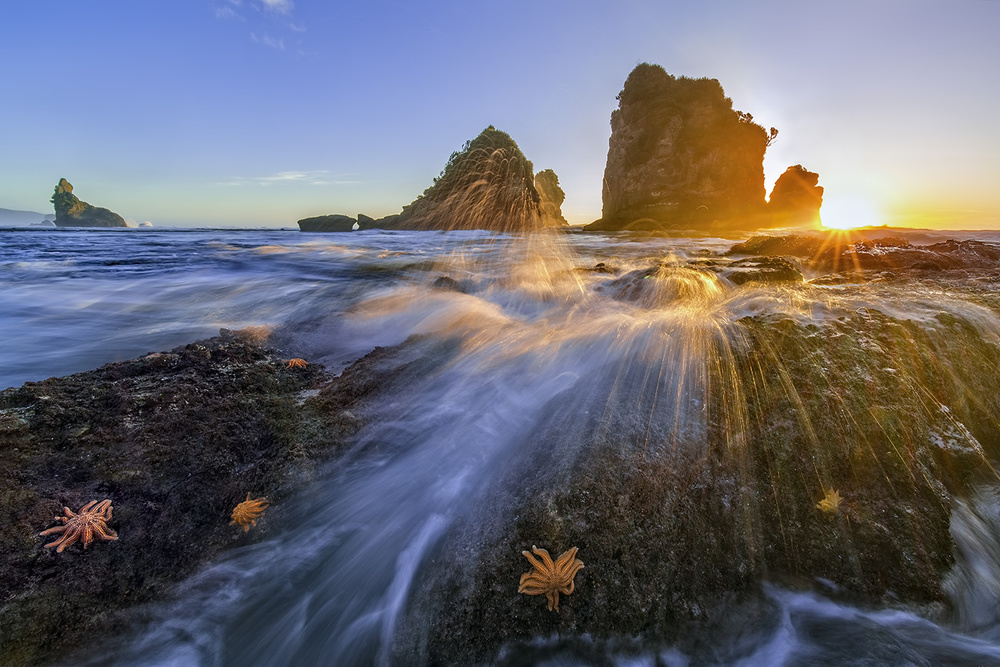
point(852, 253)
point(175, 440)
point(678, 530)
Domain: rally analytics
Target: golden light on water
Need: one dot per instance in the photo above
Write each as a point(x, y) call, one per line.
point(849, 212)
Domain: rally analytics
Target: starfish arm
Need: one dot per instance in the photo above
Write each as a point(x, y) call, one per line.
point(546, 558)
point(532, 584)
point(105, 533)
point(88, 535)
point(565, 563)
point(535, 563)
point(87, 507)
point(68, 539)
point(53, 530)
point(553, 598)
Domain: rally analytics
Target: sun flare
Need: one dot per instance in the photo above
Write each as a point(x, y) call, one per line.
point(848, 213)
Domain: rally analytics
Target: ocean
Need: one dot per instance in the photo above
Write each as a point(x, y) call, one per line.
point(566, 324)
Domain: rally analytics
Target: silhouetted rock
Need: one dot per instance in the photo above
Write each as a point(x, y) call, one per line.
point(796, 197)
point(71, 212)
point(551, 198)
point(328, 223)
point(681, 157)
point(489, 184)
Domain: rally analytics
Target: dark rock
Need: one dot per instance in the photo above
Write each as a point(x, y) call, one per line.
point(175, 440)
point(847, 252)
point(328, 223)
point(551, 197)
point(71, 212)
point(681, 157)
point(763, 270)
point(365, 222)
point(796, 198)
point(489, 185)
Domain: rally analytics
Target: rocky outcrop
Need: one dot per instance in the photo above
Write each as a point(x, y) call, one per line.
point(551, 197)
point(175, 440)
point(328, 223)
point(489, 184)
point(796, 197)
point(71, 212)
point(846, 253)
point(680, 157)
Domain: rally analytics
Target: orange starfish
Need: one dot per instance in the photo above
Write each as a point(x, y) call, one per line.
point(89, 523)
point(248, 511)
point(548, 577)
point(297, 363)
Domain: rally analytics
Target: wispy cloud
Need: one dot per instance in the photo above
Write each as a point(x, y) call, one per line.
point(279, 6)
point(273, 17)
point(315, 177)
point(267, 40)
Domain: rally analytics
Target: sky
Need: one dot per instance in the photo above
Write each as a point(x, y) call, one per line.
point(262, 112)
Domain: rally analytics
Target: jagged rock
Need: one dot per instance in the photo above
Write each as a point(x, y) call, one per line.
point(796, 197)
point(681, 157)
point(328, 223)
point(551, 198)
point(71, 212)
point(489, 184)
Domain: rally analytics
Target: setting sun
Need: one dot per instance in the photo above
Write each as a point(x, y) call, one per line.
point(848, 213)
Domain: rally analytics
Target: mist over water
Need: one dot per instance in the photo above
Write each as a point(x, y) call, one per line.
point(519, 341)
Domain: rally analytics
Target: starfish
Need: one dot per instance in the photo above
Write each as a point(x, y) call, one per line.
point(91, 522)
point(247, 512)
point(548, 577)
point(831, 502)
point(297, 363)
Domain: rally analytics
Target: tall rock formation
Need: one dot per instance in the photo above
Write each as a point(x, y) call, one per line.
point(71, 212)
point(680, 157)
point(796, 197)
point(551, 197)
point(489, 184)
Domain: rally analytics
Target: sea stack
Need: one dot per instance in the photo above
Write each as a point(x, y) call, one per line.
point(71, 212)
point(489, 184)
point(551, 197)
point(680, 157)
point(796, 197)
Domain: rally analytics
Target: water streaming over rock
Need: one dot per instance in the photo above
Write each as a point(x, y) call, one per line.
point(622, 397)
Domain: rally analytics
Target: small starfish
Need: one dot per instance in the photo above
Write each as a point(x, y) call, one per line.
point(248, 511)
point(297, 363)
point(91, 522)
point(831, 502)
point(548, 577)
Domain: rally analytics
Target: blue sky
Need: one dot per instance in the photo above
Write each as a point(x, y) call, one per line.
point(254, 112)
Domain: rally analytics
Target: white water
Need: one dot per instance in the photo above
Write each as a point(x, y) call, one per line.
point(529, 334)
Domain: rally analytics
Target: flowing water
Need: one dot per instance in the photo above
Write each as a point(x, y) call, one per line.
point(543, 340)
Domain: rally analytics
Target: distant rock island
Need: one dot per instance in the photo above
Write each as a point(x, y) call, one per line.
point(71, 212)
point(680, 157)
point(488, 185)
